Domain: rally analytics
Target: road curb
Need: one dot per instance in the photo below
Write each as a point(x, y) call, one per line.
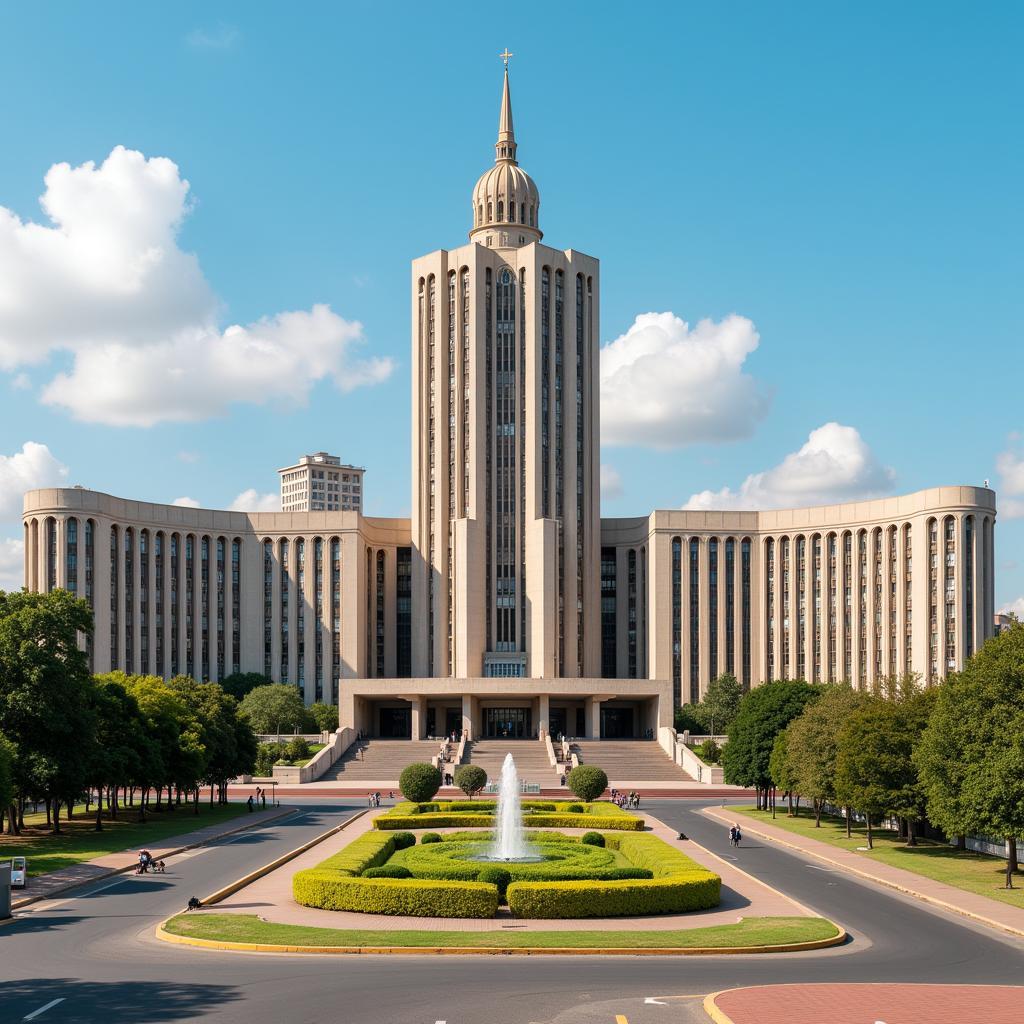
point(914, 893)
point(38, 898)
point(252, 876)
point(713, 1010)
point(264, 947)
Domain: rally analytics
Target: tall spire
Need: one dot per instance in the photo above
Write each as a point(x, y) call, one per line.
point(505, 147)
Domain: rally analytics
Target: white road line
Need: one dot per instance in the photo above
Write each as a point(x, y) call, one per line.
point(42, 1009)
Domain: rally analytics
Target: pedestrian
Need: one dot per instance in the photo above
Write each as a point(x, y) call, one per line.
point(369, 799)
point(263, 799)
point(739, 835)
point(249, 803)
point(376, 797)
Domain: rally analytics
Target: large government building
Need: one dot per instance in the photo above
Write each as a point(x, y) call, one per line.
point(506, 604)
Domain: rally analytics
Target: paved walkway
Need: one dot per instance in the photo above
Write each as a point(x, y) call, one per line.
point(868, 1004)
point(980, 908)
point(45, 886)
point(742, 896)
point(352, 791)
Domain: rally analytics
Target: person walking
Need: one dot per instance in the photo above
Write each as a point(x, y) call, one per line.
point(249, 803)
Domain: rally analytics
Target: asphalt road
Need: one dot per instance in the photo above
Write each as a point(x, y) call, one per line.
point(95, 953)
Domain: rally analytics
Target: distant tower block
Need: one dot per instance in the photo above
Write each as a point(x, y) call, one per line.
point(321, 483)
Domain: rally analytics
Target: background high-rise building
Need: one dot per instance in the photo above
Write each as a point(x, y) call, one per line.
point(321, 483)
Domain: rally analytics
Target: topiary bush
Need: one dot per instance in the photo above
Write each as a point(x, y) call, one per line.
point(592, 839)
point(496, 876)
point(387, 871)
point(297, 749)
point(403, 840)
point(470, 778)
point(429, 837)
point(416, 897)
point(708, 751)
point(587, 781)
point(574, 808)
point(419, 782)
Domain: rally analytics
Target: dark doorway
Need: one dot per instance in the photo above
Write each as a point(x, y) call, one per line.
point(395, 723)
point(453, 722)
point(507, 723)
point(556, 723)
point(581, 721)
point(617, 724)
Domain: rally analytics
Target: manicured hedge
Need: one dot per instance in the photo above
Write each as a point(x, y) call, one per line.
point(368, 851)
point(415, 897)
point(649, 851)
point(534, 820)
point(387, 871)
point(627, 824)
point(386, 822)
point(614, 899)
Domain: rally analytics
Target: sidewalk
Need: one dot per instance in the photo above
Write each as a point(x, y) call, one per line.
point(44, 887)
point(856, 1004)
point(968, 904)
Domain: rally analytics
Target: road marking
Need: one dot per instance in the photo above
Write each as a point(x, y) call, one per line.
point(651, 1001)
point(619, 1019)
point(42, 1009)
point(818, 867)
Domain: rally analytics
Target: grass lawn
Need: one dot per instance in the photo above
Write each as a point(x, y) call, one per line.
point(756, 931)
point(314, 749)
point(972, 872)
point(79, 841)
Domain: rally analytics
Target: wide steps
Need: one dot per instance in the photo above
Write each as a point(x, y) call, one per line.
point(530, 756)
point(380, 760)
point(627, 762)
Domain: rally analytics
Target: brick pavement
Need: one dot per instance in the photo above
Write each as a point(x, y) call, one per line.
point(742, 896)
point(868, 1004)
point(979, 908)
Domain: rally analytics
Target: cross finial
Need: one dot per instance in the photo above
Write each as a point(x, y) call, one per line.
point(505, 56)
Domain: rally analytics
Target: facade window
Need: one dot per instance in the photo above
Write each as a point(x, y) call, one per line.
point(771, 611)
point(801, 607)
point(174, 605)
point(730, 605)
point(268, 609)
point(221, 551)
point(784, 609)
point(90, 564)
point(560, 460)
point(335, 619)
point(160, 609)
point(129, 600)
point(190, 604)
point(949, 593)
point(318, 608)
point(71, 555)
point(608, 617)
point(745, 611)
point(403, 613)
point(816, 607)
point(631, 611)
point(694, 620)
point(677, 621)
point(908, 602)
point(236, 605)
point(713, 608)
point(968, 561)
point(115, 577)
point(51, 554)
point(285, 608)
point(144, 619)
point(380, 614)
point(300, 615)
point(204, 607)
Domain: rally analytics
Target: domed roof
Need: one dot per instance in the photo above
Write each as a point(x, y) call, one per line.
point(506, 202)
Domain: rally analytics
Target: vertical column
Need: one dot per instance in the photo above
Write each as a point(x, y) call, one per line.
point(276, 626)
point(704, 613)
point(593, 718)
point(101, 597)
point(886, 600)
point(467, 716)
point(419, 717)
point(137, 600)
point(737, 607)
point(959, 578)
point(543, 714)
point(295, 597)
point(229, 602)
point(810, 612)
point(900, 572)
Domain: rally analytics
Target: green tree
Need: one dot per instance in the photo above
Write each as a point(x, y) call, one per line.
point(275, 708)
point(763, 713)
point(238, 684)
point(325, 716)
point(779, 770)
point(7, 790)
point(971, 754)
point(719, 705)
point(419, 782)
point(470, 778)
point(685, 719)
point(587, 781)
point(811, 744)
point(297, 749)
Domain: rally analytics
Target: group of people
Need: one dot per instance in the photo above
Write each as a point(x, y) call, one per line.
point(260, 800)
point(374, 799)
point(146, 862)
point(624, 800)
point(735, 835)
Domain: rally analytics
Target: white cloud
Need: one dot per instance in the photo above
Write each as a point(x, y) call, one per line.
point(252, 501)
point(12, 564)
point(21, 382)
point(666, 385)
point(834, 465)
point(186, 502)
point(136, 313)
point(1014, 608)
point(34, 466)
point(189, 457)
point(1010, 466)
point(611, 482)
point(223, 37)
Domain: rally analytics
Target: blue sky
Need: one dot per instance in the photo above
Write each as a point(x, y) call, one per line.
point(846, 177)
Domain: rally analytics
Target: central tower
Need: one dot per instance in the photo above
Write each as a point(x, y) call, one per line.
point(505, 517)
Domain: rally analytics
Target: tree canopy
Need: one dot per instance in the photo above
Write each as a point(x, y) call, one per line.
point(274, 708)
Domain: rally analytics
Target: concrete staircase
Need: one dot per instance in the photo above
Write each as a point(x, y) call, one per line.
point(382, 761)
point(531, 759)
point(629, 762)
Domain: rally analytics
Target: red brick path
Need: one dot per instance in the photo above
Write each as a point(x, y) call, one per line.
point(873, 1004)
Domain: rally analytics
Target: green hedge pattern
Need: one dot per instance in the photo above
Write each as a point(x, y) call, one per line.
point(415, 897)
point(531, 820)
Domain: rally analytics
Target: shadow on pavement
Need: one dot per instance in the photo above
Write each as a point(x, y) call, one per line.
point(131, 1002)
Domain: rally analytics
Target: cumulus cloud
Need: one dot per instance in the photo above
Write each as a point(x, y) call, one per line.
point(1014, 608)
point(611, 482)
point(834, 465)
point(1010, 466)
point(22, 382)
point(136, 314)
point(34, 466)
point(186, 502)
point(668, 385)
point(252, 501)
point(12, 564)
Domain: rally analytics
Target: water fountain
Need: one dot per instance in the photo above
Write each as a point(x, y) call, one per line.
point(510, 842)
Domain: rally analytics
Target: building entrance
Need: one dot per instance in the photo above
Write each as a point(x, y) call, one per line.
point(508, 723)
point(617, 724)
point(453, 722)
point(394, 723)
point(556, 723)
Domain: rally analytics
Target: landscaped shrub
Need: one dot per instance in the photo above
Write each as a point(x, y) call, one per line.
point(592, 839)
point(297, 749)
point(496, 876)
point(386, 821)
point(708, 751)
point(369, 850)
point(413, 896)
point(419, 782)
point(539, 820)
point(470, 778)
point(404, 840)
point(387, 871)
point(587, 781)
point(429, 837)
point(625, 823)
point(614, 899)
point(574, 808)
